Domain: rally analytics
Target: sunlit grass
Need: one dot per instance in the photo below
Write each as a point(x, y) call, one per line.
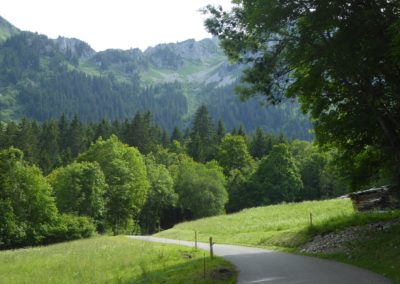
point(284, 226)
point(107, 260)
point(288, 226)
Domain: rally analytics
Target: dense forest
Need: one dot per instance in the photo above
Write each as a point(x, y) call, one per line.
point(132, 176)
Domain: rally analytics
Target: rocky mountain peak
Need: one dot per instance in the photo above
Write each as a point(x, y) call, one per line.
point(74, 48)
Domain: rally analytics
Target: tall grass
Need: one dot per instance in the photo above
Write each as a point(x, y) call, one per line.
point(283, 226)
point(107, 260)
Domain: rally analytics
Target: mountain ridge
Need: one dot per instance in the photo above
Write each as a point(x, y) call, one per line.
point(42, 78)
point(6, 29)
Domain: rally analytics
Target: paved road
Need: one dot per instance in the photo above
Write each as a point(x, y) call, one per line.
point(271, 267)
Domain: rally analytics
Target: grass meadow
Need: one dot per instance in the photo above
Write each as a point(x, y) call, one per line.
point(109, 260)
point(288, 226)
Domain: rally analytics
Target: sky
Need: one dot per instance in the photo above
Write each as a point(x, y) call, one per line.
point(107, 24)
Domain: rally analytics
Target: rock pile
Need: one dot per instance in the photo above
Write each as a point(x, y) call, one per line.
point(337, 241)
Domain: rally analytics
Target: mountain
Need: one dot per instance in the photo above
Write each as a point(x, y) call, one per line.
point(6, 29)
point(41, 78)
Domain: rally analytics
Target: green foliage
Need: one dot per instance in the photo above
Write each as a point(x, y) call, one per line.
point(233, 153)
point(28, 208)
point(201, 188)
point(277, 178)
point(340, 61)
point(126, 177)
point(260, 144)
point(160, 197)
point(70, 227)
point(142, 133)
point(28, 212)
point(202, 136)
point(79, 189)
point(109, 260)
point(319, 174)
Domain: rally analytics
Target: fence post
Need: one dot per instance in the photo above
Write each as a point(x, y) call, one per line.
point(311, 220)
point(204, 265)
point(195, 239)
point(211, 248)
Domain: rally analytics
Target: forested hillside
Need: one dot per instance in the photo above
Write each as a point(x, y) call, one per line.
point(132, 176)
point(42, 78)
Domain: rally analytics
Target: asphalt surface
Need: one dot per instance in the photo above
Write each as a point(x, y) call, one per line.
point(264, 266)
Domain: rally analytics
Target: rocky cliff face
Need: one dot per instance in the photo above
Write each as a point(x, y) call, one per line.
point(74, 48)
point(189, 49)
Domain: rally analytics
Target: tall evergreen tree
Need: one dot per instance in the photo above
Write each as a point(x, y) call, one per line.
point(241, 130)
point(259, 144)
point(177, 135)
point(103, 130)
point(63, 126)
point(202, 136)
point(76, 139)
point(143, 133)
point(221, 131)
point(26, 140)
point(49, 150)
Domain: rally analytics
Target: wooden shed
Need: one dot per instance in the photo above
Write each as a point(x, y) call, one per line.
point(378, 198)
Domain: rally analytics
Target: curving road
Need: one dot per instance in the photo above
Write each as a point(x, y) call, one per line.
point(264, 266)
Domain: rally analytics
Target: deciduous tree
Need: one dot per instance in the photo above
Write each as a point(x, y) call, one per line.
point(340, 59)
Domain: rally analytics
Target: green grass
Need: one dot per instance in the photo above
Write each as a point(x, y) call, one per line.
point(284, 226)
point(287, 227)
point(108, 260)
point(379, 253)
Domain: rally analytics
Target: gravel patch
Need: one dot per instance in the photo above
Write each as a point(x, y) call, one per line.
point(337, 241)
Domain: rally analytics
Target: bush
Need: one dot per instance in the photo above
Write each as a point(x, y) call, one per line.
point(70, 227)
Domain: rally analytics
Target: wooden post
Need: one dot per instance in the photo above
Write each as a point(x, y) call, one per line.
point(195, 239)
point(311, 220)
point(211, 248)
point(204, 265)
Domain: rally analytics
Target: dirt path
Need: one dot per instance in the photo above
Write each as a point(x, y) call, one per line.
point(265, 266)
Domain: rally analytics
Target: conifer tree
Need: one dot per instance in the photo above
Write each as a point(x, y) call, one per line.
point(177, 135)
point(49, 150)
point(202, 136)
point(259, 146)
point(221, 131)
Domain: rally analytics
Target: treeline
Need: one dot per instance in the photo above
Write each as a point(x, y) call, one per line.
point(133, 177)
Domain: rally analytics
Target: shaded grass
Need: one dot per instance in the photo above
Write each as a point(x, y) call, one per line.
point(380, 252)
point(108, 260)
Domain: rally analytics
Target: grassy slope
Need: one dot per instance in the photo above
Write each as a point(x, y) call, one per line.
point(380, 253)
point(107, 260)
point(287, 227)
point(284, 226)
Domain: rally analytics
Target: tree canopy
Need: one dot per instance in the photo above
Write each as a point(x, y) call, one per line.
point(79, 189)
point(340, 59)
point(201, 188)
point(126, 177)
